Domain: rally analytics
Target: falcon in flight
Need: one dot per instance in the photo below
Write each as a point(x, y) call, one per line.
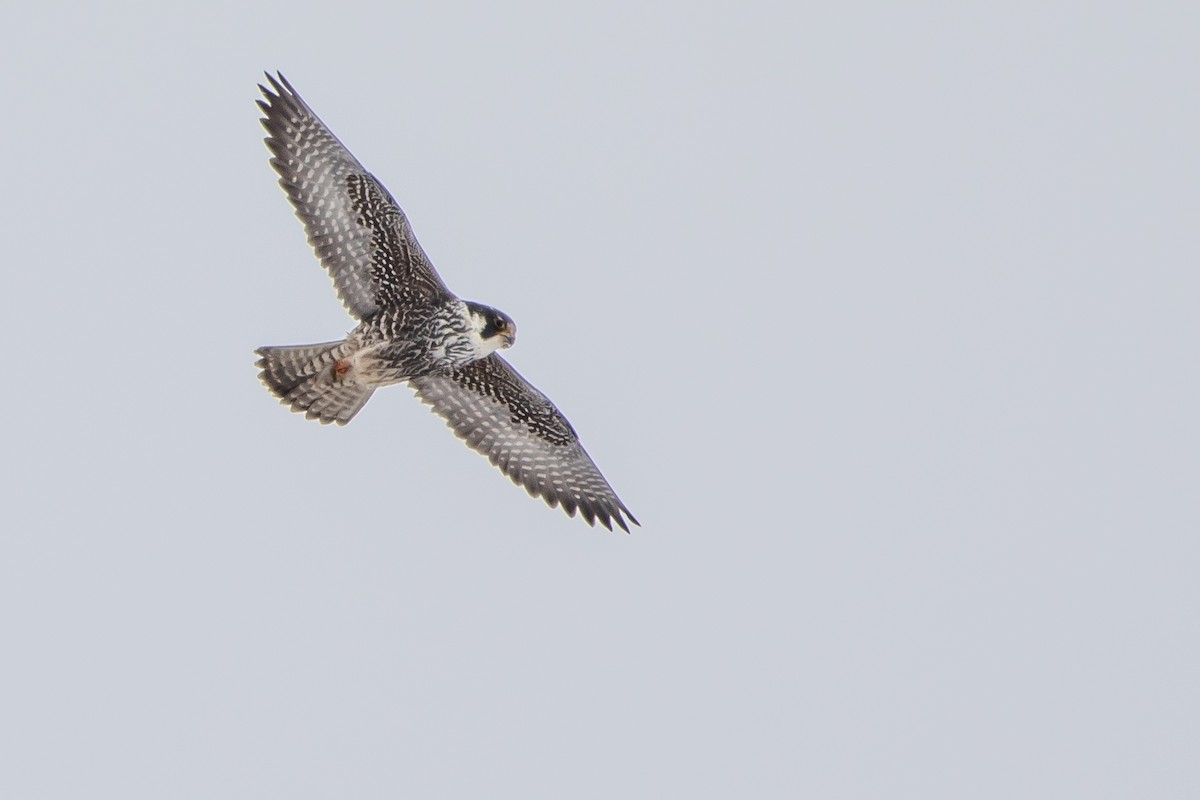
point(411, 327)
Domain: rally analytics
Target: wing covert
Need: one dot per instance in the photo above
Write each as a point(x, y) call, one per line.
point(502, 416)
point(355, 227)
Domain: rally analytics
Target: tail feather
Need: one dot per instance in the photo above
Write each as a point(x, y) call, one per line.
point(304, 378)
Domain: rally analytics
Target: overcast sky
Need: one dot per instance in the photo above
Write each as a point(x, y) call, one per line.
point(880, 317)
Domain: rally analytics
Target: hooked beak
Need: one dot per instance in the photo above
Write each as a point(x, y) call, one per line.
point(509, 340)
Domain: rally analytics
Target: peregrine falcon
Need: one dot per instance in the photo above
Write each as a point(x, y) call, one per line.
point(411, 327)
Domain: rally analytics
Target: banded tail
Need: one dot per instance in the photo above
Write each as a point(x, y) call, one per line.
point(315, 379)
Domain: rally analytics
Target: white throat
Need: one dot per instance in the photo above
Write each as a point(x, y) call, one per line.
point(480, 346)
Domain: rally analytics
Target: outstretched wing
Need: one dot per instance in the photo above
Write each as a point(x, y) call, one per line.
point(355, 227)
point(501, 415)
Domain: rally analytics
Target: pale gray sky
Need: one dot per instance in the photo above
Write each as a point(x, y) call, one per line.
point(881, 319)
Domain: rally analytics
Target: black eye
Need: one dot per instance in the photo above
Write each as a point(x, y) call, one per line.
point(500, 324)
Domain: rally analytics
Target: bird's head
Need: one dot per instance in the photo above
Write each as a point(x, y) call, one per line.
point(495, 329)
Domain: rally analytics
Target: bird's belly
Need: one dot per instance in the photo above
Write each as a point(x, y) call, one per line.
point(386, 363)
point(383, 363)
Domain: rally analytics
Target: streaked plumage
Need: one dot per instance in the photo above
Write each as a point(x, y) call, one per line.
point(412, 328)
